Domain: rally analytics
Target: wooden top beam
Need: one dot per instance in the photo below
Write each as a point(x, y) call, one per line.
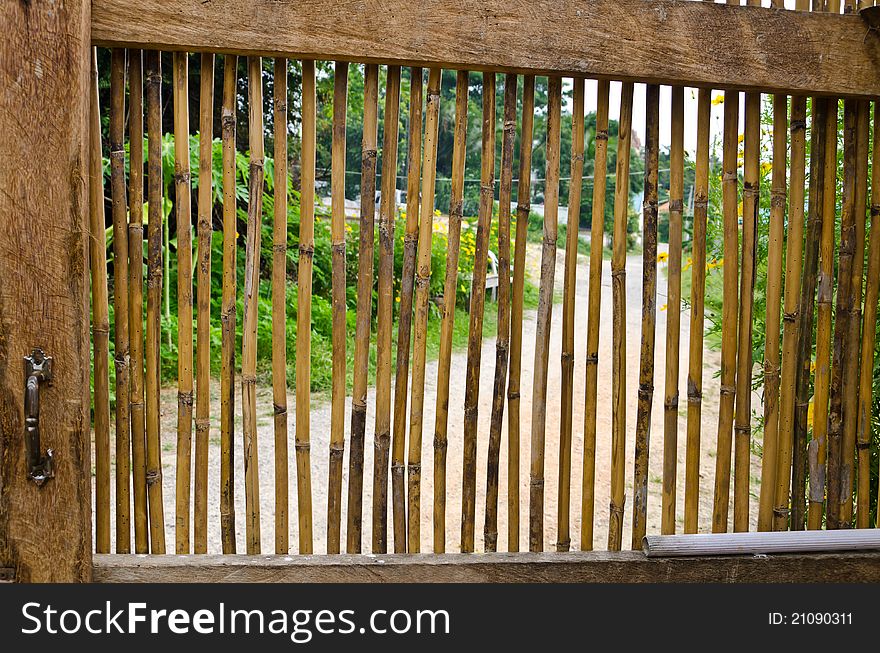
point(658, 41)
point(575, 567)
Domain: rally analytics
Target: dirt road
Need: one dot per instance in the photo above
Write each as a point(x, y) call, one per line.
point(320, 429)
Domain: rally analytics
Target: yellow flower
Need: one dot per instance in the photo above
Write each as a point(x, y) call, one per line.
point(663, 308)
point(766, 167)
point(718, 99)
point(810, 414)
point(662, 257)
point(741, 138)
point(687, 265)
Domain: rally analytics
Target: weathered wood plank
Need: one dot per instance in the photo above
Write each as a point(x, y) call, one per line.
point(580, 567)
point(750, 47)
point(45, 532)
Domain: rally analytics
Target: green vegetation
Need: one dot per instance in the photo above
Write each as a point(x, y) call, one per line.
point(715, 264)
point(321, 358)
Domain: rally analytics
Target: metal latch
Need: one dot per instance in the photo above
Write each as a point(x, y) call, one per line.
point(37, 370)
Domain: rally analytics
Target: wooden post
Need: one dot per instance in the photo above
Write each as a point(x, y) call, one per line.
point(477, 304)
point(750, 202)
point(250, 307)
point(698, 296)
point(153, 474)
point(302, 444)
point(385, 310)
point(304, 319)
point(203, 321)
point(649, 316)
point(673, 314)
point(523, 195)
point(597, 241)
point(866, 386)
point(422, 282)
point(453, 249)
point(364, 310)
point(544, 319)
point(279, 303)
point(807, 310)
point(120, 300)
point(774, 308)
point(183, 205)
point(44, 285)
point(563, 540)
point(618, 296)
point(405, 314)
point(729, 313)
point(100, 320)
point(228, 308)
point(852, 338)
point(136, 299)
point(490, 531)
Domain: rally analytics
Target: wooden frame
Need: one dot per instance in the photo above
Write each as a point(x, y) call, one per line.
point(580, 567)
point(782, 52)
point(45, 532)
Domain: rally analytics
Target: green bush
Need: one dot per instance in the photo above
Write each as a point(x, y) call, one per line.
point(321, 307)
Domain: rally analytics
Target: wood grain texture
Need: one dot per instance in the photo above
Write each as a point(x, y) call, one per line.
point(44, 61)
point(574, 567)
point(752, 48)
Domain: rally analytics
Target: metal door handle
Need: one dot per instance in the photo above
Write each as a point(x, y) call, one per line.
point(37, 370)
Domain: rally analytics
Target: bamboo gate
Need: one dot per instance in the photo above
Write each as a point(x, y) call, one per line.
point(814, 473)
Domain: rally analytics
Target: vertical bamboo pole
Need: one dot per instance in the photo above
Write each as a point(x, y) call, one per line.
point(100, 322)
point(422, 282)
point(364, 311)
point(228, 308)
point(136, 296)
point(337, 190)
point(563, 542)
point(751, 201)
point(502, 342)
point(448, 317)
point(184, 301)
point(698, 303)
point(618, 307)
point(405, 314)
point(302, 443)
point(475, 331)
point(794, 256)
point(839, 367)
point(544, 318)
point(866, 377)
point(673, 314)
point(516, 317)
point(852, 337)
point(385, 310)
point(120, 299)
point(279, 304)
point(773, 313)
point(251, 292)
point(649, 316)
point(597, 247)
point(729, 185)
point(153, 472)
point(818, 448)
point(203, 298)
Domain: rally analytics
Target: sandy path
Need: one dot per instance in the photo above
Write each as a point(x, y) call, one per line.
point(320, 428)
